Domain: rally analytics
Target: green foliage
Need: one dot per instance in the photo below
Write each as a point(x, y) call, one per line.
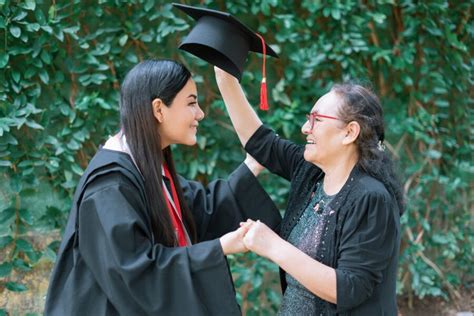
point(62, 63)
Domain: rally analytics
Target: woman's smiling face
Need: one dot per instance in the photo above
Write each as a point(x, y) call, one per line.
point(179, 120)
point(324, 139)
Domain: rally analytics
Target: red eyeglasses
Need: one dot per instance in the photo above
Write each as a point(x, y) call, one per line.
point(311, 117)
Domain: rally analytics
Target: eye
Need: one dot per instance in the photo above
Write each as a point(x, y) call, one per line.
point(317, 119)
point(192, 103)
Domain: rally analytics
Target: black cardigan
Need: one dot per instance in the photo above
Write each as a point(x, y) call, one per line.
point(361, 239)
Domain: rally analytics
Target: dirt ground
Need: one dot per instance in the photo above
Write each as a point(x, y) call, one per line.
point(434, 306)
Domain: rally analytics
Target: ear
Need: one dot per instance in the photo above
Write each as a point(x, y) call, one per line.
point(157, 106)
point(352, 131)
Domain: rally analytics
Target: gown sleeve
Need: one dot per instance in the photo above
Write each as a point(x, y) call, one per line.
point(369, 236)
point(278, 155)
point(142, 278)
point(223, 204)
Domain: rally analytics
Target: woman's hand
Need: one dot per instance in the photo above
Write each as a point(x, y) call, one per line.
point(260, 239)
point(253, 165)
point(318, 278)
point(233, 242)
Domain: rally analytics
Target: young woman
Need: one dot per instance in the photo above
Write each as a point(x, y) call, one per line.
point(339, 239)
point(140, 239)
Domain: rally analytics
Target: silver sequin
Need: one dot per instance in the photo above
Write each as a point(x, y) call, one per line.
point(306, 236)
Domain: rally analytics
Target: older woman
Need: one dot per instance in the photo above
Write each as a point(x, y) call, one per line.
point(339, 240)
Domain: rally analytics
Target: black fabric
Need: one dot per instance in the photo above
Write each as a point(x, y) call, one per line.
point(110, 264)
point(362, 237)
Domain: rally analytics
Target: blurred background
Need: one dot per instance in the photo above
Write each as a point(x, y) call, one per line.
point(62, 63)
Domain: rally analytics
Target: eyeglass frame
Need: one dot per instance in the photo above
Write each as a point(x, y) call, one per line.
point(311, 117)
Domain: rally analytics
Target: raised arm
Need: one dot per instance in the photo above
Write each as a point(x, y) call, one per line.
point(242, 115)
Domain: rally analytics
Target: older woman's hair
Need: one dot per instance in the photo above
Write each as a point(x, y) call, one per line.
point(360, 104)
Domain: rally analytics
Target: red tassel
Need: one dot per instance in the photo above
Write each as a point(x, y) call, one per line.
point(263, 86)
point(263, 96)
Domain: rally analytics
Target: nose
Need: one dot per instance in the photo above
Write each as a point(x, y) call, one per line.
point(305, 128)
point(200, 113)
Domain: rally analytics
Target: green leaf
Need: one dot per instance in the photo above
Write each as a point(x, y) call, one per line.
point(52, 12)
point(40, 18)
point(148, 5)
point(32, 27)
point(44, 76)
point(9, 139)
point(47, 29)
point(434, 154)
point(20, 264)
point(76, 169)
point(49, 254)
point(24, 246)
point(33, 124)
point(131, 58)
point(25, 215)
point(16, 184)
point(5, 241)
point(336, 14)
point(7, 214)
point(442, 103)
point(30, 5)
point(98, 78)
point(73, 145)
point(16, 76)
point(5, 269)
point(15, 31)
point(3, 59)
point(15, 287)
point(20, 16)
point(123, 40)
point(45, 57)
point(5, 163)
point(29, 73)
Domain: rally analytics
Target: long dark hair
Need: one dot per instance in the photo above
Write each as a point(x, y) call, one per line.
point(145, 82)
point(360, 104)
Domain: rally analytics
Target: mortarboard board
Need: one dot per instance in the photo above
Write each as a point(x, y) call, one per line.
point(223, 41)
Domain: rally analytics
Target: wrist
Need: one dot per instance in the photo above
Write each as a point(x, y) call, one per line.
point(276, 251)
point(224, 245)
point(224, 79)
point(253, 167)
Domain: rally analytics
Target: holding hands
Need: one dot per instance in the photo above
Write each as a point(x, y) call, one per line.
point(259, 238)
point(252, 235)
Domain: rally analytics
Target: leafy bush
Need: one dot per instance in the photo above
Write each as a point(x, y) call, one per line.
point(62, 63)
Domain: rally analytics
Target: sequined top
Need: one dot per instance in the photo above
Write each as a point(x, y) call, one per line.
point(306, 236)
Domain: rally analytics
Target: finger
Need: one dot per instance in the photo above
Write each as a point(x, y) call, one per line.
point(243, 230)
point(246, 241)
point(246, 225)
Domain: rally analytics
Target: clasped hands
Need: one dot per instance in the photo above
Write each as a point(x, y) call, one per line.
point(251, 235)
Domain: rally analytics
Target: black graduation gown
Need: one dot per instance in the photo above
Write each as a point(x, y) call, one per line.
point(109, 263)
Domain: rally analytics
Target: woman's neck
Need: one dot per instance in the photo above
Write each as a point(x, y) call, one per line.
point(337, 173)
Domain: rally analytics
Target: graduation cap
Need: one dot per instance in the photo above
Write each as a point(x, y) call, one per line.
point(224, 41)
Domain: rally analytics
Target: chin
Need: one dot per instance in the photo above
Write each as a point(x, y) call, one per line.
point(309, 157)
point(191, 142)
